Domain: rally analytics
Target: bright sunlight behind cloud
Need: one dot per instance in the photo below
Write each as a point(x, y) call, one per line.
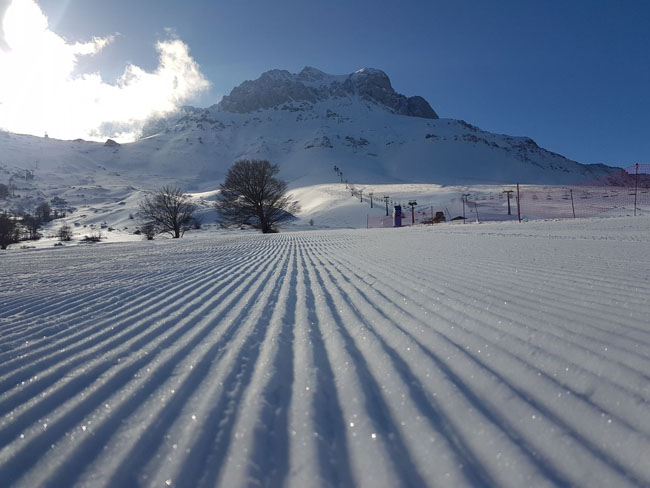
point(39, 92)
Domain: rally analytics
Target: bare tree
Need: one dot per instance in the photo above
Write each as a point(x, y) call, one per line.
point(251, 194)
point(43, 212)
point(169, 210)
point(65, 233)
point(8, 231)
point(32, 224)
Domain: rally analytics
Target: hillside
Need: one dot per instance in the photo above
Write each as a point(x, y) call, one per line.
point(307, 123)
point(310, 121)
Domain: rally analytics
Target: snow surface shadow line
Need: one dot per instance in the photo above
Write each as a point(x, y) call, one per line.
point(41, 348)
point(577, 336)
point(90, 375)
point(55, 303)
point(510, 431)
point(374, 403)
point(154, 437)
point(211, 448)
point(587, 325)
point(35, 386)
point(270, 454)
point(23, 305)
point(38, 446)
point(71, 343)
point(476, 475)
point(160, 278)
point(130, 331)
point(143, 302)
point(333, 451)
point(585, 397)
point(494, 417)
point(24, 316)
point(144, 298)
point(587, 444)
point(79, 314)
point(448, 430)
point(581, 396)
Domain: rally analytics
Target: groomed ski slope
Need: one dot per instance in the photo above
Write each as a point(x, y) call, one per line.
point(484, 355)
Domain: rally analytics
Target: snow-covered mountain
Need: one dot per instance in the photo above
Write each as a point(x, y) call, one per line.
point(277, 87)
point(307, 123)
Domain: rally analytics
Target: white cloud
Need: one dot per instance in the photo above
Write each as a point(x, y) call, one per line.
point(39, 91)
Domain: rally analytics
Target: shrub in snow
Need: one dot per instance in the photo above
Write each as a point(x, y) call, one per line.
point(196, 222)
point(65, 233)
point(8, 231)
point(94, 237)
point(149, 230)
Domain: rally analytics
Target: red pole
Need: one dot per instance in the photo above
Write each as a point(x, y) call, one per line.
point(518, 204)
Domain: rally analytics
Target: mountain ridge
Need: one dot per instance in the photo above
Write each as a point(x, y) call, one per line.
point(276, 87)
point(375, 147)
point(369, 141)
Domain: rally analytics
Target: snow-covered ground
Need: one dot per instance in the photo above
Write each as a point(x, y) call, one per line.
point(498, 354)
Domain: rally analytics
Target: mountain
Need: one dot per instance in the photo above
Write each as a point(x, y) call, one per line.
point(278, 87)
point(308, 123)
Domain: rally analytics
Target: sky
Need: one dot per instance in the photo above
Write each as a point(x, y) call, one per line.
point(574, 75)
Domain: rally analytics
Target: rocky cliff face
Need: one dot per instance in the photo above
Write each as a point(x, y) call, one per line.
point(277, 87)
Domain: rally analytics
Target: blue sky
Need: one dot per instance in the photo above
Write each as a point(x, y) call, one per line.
point(574, 75)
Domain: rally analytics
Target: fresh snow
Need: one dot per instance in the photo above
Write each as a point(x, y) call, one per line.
point(499, 354)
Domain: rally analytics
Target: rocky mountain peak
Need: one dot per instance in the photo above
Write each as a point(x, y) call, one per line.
point(277, 87)
point(279, 75)
point(371, 76)
point(311, 75)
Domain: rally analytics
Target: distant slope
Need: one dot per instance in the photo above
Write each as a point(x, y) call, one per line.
point(307, 123)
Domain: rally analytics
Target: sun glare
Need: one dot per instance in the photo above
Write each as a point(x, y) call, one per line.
point(39, 91)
